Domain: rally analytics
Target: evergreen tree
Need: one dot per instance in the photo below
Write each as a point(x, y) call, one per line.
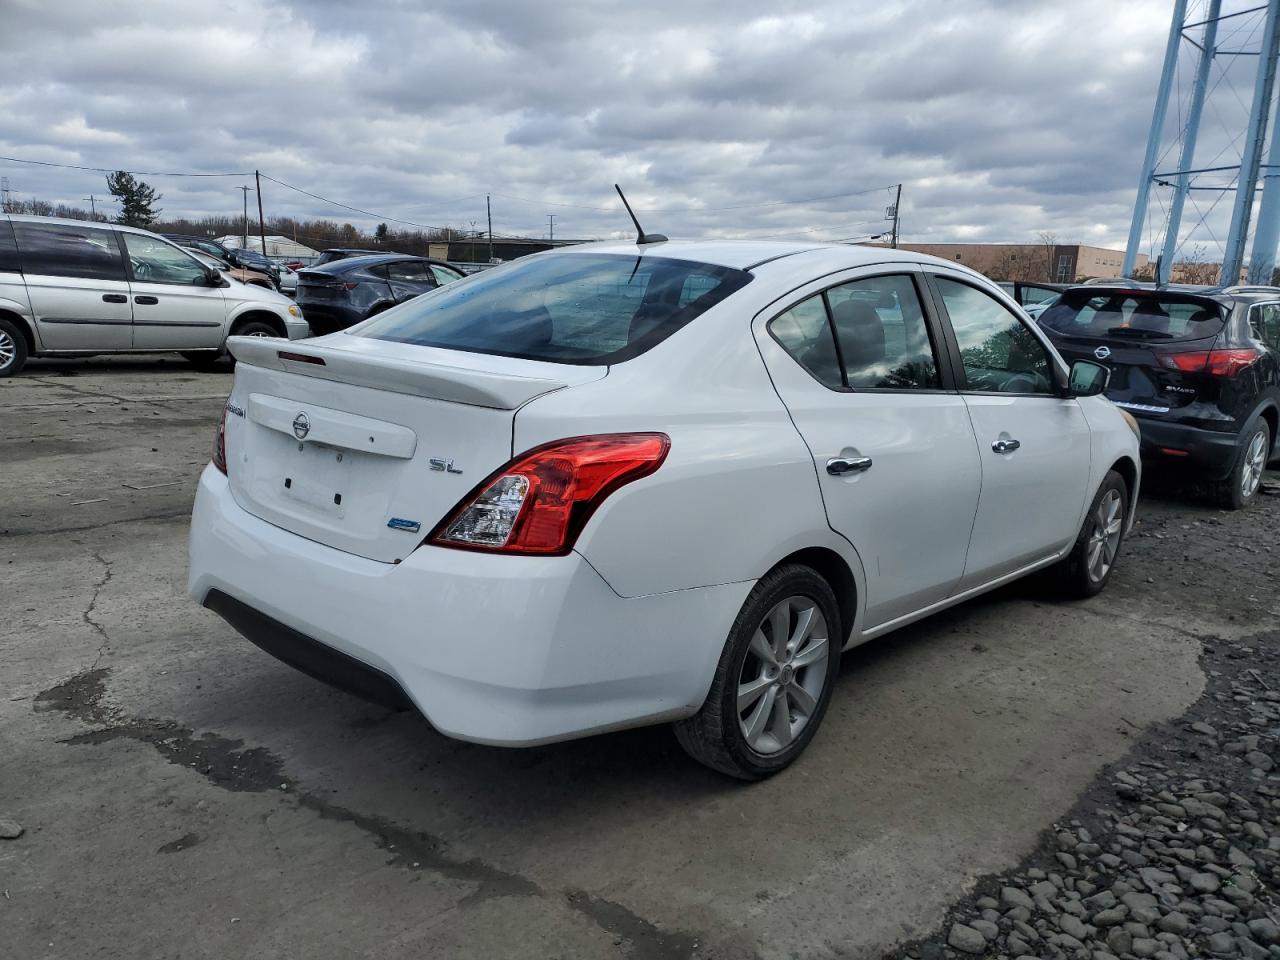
point(137, 199)
point(381, 234)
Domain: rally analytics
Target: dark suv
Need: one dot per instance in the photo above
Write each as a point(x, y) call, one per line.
point(341, 293)
point(334, 254)
point(1199, 367)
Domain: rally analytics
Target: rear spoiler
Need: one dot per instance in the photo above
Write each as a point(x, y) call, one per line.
point(439, 381)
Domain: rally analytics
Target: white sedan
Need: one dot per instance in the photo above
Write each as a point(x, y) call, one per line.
point(619, 484)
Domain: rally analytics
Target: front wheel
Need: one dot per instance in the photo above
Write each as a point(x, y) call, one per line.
point(1241, 486)
point(13, 348)
point(1087, 568)
point(774, 679)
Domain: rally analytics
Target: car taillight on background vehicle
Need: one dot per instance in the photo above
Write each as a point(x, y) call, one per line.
point(220, 442)
point(539, 503)
point(1217, 363)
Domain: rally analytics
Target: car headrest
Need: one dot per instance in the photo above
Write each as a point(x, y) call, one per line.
point(861, 335)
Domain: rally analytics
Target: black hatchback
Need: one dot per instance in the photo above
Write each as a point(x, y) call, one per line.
point(1199, 368)
point(337, 295)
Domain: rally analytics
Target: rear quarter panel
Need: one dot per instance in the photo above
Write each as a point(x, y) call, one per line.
point(737, 491)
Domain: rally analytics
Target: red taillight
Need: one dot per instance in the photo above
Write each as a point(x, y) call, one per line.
point(220, 442)
point(539, 503)
point(1217, 363)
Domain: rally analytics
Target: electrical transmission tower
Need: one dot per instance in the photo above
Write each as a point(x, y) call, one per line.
point(1202, 34)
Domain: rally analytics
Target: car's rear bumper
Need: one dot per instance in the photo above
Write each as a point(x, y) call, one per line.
point(495, 649)
point(1209, 451)
point(327, 317)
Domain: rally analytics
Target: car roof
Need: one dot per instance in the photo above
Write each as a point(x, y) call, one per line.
point(1245, 293)
point(347, 250)
point(355, 263)
point(749, 254)
point(73, 222)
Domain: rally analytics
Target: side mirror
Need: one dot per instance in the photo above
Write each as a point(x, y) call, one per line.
point(213, 278)
point(1088, 379)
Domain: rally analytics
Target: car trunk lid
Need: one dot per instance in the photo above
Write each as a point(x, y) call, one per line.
point(365, 445)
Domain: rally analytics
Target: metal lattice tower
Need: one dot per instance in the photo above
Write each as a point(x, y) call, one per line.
point(1248, 170)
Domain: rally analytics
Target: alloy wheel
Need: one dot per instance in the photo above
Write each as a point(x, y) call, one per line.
point(1255, 463)
point(783, 675)
point(8, 349)
point(1104, 538)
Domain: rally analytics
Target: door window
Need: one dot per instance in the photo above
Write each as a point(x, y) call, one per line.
point(9, 262)
point(59, 250)
point(883, 338)
point(805, 333)
point(1266, 324)
point(444, 275)
point(999, 353)
point(151, 260)
point(408, 271)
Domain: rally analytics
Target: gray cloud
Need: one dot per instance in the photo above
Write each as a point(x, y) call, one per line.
point(1001, 118)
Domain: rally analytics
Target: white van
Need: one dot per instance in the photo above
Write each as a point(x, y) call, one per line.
point(81, 287)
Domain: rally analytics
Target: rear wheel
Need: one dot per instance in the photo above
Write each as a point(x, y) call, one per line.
point(1241, 486)
point(1087, 568)
point(774, 679)
point(13, 348)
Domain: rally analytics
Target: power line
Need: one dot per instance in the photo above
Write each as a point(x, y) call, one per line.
point(345, 206)
point(136, 173)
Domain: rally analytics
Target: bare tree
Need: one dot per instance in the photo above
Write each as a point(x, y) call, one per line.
point(1049, 241)
point(1196, 268)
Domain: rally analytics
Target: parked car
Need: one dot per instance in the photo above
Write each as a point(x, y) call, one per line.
point(521, 503)
point(344, 292)
point(253, 260)
point(288, 279)
point(1198, 366)
point(76, 287)
point(235, 273)
point(343, 253)
point(238, 257)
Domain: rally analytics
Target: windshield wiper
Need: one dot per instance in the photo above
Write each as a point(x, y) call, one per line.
point(1138, 333)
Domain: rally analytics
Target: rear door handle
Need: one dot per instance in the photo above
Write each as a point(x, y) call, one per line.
point(114, 298)
point(146, 301)
point(1005, 446)
point(841, 466)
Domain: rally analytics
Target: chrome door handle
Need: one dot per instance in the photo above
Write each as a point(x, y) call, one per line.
point(1005, 446)
point(839, 466)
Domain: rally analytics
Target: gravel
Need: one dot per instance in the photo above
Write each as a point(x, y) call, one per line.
point(1173, 854)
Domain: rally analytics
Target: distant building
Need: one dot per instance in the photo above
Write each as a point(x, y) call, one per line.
point(1056, 263)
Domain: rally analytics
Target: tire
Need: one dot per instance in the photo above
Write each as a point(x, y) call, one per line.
point(256, 328)
point(717, 735)
point(1241, 486)
point(13, 348)
point(1082, 573)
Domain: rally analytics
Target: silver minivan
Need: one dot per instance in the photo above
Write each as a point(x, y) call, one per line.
point(81, 287)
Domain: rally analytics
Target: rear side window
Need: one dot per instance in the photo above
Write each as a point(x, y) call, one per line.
point(410, 271)
point(444, 275)
point(565, 308)
point(805, 332)
point(1131, 314)
point(9, 262)
point(883, 339)
point(59, 250)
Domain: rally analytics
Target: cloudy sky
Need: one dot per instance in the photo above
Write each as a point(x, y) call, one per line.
point(1001, 118)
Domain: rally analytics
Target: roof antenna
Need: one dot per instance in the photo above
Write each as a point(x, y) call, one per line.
point(643, 237)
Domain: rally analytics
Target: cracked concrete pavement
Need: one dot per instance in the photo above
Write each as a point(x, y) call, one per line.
point(187, 796)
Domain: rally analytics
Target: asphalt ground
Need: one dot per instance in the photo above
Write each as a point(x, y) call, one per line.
point(182, 794)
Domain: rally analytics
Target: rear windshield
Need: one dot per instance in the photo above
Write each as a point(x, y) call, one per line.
point(1130, 314)
point(570, 308)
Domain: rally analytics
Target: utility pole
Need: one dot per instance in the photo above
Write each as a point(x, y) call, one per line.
point(897, 203)
point(93, 205)
point(1153, 137)
point(488, 209)
point(244, 230)
point(1251, 159)
point(5, 198)
point(551, 218)
point(262, 227)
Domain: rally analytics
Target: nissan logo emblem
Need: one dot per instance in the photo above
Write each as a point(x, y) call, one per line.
point(1101, 353)
point(301, 426)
